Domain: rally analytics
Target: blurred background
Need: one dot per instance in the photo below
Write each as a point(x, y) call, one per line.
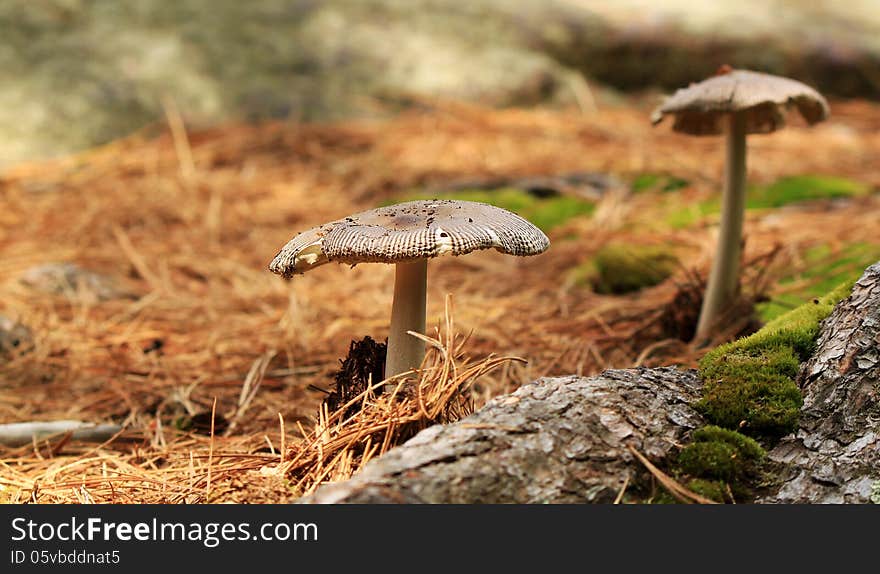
point(76, 73)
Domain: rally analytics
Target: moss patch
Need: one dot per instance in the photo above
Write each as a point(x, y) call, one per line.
point(720, 454)
point(750, 383)
point(825, 270)
point(803, 188)
point(655, 181)
point(545, 212)
point(619, 268)
point(712, 489)
point(720, 463)
point(782, 192)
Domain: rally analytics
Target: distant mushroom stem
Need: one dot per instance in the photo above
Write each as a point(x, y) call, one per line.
point(406, 352)
point(723, 284)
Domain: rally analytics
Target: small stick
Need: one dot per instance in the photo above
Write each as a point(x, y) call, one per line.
point(680, 493)
point(622, 490)
point(19, 434)
point(135, 258)
point(283, 445)
point(182, 147)
point(210, 451)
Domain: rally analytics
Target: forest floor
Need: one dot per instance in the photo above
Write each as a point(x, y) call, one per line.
point(183, 318)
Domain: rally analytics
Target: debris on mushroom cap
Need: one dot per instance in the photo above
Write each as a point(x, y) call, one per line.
point(700, 108)
point(410, 231)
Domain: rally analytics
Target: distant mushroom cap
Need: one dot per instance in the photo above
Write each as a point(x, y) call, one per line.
point(408, 232)
point(700, 108)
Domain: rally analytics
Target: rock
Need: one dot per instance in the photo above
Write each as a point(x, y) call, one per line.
point(555, 440)
point(835, 455)
point(260, 59)
point(631, 44)
point(15, 338)
point(71, 279)
point(88, 72)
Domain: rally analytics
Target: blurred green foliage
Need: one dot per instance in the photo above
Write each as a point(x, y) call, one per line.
point(786, 191)
point(622, 268)
point(826, 268)
point(656, 181)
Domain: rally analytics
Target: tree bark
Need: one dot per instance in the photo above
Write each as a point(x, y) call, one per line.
point(835, 455)
point(555, 440)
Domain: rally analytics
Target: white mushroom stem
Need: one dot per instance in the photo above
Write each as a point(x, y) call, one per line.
point(723, 284)
point(406, 352)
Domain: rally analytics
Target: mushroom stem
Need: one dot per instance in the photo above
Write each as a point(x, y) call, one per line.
point(406, 352)
point(723, 284)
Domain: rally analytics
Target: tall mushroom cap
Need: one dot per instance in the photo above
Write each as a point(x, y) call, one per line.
point(700, 108)
point(408, 232)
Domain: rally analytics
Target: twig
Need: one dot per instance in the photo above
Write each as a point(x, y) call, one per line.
point(211, 452)
point(674, 488)
point(19, 434)
point(135, 258)
point(249, 389)
point(619, 496)
point(283, 441)
point(181, 141)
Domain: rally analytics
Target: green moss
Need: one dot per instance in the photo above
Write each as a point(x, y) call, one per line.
point(749, 389)
point(719, 463)
point(720, 454)
point(747, 448)
point(749, 384)
point(780, 193)
point(620, 268)
point(803, 188)
point(691, 214)
point(826, 268)
point(715, 460)
point(712, 489)
point(768, 407)
point(656, 181)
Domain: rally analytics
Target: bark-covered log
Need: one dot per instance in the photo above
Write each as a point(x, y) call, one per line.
point(835, 455)
point(567, 439)
point(556, 440)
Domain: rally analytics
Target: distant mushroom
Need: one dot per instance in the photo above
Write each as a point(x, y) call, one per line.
point(739, 102)
point(407, 235)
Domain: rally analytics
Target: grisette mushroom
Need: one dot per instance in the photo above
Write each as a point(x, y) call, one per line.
point(407, 235)
point(737, 102)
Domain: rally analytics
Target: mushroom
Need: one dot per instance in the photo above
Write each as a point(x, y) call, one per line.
point(739, 102)
point(407, 235)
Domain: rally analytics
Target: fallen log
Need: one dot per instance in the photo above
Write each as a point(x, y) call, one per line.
point(574, 439)
point(555, 440)
point(835, 455)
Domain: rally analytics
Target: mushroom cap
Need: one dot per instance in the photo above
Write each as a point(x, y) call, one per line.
point(410, 231)
point(700, 108)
